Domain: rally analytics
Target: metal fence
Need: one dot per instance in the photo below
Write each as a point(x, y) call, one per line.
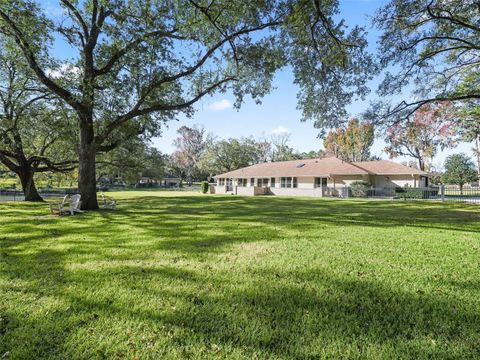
point(440, 193)
point(17, 195)
point(13, 194)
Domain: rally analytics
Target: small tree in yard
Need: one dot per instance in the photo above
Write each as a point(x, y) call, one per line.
point(205, 187)
point(459, 170)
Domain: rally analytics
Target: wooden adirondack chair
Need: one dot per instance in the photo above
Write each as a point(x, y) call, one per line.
point(108, 203)
point(69, 205)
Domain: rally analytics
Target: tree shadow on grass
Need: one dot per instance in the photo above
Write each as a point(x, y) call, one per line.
point(93, 286)
point(304, 316)
point(369, 213)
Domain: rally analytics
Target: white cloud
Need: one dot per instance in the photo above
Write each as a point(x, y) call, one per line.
point(280, 130)
point(63, 70)
point(220, 105)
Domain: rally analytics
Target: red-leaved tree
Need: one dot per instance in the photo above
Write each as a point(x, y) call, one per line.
point(431, 128)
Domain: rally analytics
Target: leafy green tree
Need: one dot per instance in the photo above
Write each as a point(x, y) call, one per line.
point(141, 63)
point(231, 154)
point(469, 127)
point(131, 160)
point(352, 143)
point(35, 132)
point(312, 154)
point(459, 170)
point(431, 45)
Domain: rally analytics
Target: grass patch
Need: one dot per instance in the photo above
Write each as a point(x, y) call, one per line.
point(177, 275)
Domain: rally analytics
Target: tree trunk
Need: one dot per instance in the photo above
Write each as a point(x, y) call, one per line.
point(421, 164)
point(87, 183)
point(461, 189)
point(28, 185)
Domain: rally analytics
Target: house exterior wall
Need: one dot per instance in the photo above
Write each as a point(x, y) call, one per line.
point(306, 185)
point(306, 182)
point(296, 192)
point(395, 180)
point(345, 180)
point(216, 189)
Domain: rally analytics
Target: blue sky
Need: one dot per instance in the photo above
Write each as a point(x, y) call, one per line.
point(277, 112)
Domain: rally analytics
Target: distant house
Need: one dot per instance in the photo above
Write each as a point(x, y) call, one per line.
point(316, 177)
point(147, 181)
point(171, 182)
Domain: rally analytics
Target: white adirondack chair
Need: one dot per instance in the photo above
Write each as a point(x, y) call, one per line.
point(69, 205)
point(108, 203)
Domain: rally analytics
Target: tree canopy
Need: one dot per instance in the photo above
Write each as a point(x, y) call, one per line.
point(432, 46)
point(352, 143)
point(141, 63)
point(432, 128)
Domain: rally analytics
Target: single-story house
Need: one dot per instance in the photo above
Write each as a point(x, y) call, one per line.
point(316, 177)
point(171, 182)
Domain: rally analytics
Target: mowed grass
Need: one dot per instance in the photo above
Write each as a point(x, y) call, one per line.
point(186, 276)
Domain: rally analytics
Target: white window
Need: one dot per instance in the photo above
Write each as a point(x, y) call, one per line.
point(242, 182)
point(262, 182)
point(288, 182)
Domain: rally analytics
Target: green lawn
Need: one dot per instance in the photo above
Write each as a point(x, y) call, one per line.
point(173, 275)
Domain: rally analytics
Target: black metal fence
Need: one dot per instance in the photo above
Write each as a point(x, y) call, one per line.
point(13, 194)
point(17, 195)
point(450, 193)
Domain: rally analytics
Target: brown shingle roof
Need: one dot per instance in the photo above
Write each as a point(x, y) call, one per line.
point(311, 167)
point(321, 167)
point(387, 167)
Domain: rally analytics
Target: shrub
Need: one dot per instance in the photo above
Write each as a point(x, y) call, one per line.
point(359, 188)
point(416, 193)
point(205, 187)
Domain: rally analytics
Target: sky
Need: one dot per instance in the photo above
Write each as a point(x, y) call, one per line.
point(278, 111)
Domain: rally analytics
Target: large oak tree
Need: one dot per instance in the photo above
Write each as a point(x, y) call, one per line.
point(140, 63)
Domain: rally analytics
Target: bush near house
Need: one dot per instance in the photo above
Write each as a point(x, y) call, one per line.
point(205, 186)
point(417, 193)
point(359, 188)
